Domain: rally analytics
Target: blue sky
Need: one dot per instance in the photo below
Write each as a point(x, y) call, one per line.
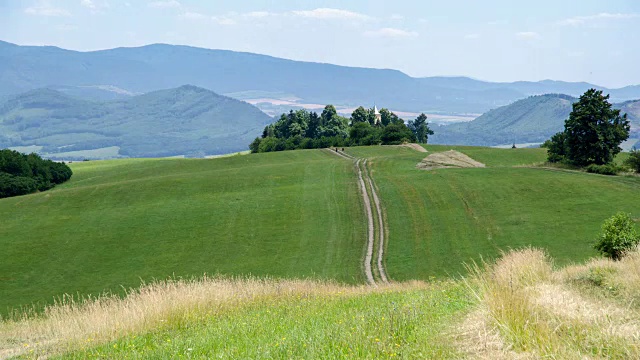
point(496, 40)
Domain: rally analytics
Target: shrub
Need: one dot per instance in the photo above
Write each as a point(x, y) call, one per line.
point(617, 237)
point(607, 169)
point(634, 160)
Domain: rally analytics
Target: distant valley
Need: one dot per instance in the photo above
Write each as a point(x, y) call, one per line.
point(115, 103)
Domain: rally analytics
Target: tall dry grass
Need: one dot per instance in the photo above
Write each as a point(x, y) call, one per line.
point(106, 318)
point(536, 312)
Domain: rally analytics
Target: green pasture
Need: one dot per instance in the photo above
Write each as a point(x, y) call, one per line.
point(116, 223)
point(441, 218)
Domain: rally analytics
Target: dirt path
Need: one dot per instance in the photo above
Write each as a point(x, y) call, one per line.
point(364, 178)
point(370, 239)
point(376, 200)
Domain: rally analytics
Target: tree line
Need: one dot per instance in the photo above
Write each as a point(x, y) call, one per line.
point(303, 129)
point(22, 174)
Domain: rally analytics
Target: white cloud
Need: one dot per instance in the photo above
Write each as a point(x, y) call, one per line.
point(391, 32)
point(44, 8)
point(332, 14)
point(190, 15)
point(94, 6)
point(472, 36)
point(67, 27)
point(397, 17)
point(528, 35)
point(583, 20)
point(165, 4)
point(223, 20)
point(258, 14)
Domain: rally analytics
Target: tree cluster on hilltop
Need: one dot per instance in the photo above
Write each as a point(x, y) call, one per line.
point(303, 129)
point(22, 174)
point(592, 134)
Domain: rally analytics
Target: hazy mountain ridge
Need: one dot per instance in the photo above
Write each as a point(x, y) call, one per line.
point(184, 121)
point(152, 67)
point(531, 120)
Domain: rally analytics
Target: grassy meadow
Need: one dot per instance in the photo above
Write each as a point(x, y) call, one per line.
point(440, 219)
point(118, 223)
point(281, 238)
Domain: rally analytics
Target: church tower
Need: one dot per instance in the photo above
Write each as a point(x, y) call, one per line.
point(377, 115)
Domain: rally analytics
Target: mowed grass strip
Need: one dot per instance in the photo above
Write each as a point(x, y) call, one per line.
point(401, 321)
point(289, 214)
point(441, 218)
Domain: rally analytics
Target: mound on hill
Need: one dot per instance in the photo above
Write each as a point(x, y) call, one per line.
point(187, 121)
point(448, 159)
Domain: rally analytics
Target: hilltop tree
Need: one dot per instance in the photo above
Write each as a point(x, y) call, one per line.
point(387, 117)
point(314, 125)
point(359, 115)
point(420, 128)
point(394, 134)
point(592, 134)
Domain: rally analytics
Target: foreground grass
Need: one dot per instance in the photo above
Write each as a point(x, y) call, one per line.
point(529, 310)
point(115, 223)
point(218, 318)
point(442, 218)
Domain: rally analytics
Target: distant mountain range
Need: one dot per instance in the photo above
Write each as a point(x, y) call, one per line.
point(187, 121)
point(123, 72)
point(530, 120)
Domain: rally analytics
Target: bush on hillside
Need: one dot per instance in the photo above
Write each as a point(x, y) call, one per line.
point(618, 236)
point(608, 169)
point(634, 160)
point(22, 174)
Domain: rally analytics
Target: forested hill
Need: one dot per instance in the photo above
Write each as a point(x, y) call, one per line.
point(530, 120)
point(183, 121)
point(121, 71)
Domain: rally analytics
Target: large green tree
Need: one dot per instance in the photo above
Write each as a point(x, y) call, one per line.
point(420, 128)
point(592, 133)
point(387, 117)
point(359, 115)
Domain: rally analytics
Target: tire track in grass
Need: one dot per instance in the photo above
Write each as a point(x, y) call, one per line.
point(370, 238)
point(363, 173)
point(376, 200)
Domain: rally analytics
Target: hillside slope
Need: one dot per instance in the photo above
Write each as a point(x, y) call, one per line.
point(293, 214)
point(531, 120)
point(152, 67)
point(184, 121)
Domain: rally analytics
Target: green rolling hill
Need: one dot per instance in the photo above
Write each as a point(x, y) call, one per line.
point(292, 214)
point(187, 121)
